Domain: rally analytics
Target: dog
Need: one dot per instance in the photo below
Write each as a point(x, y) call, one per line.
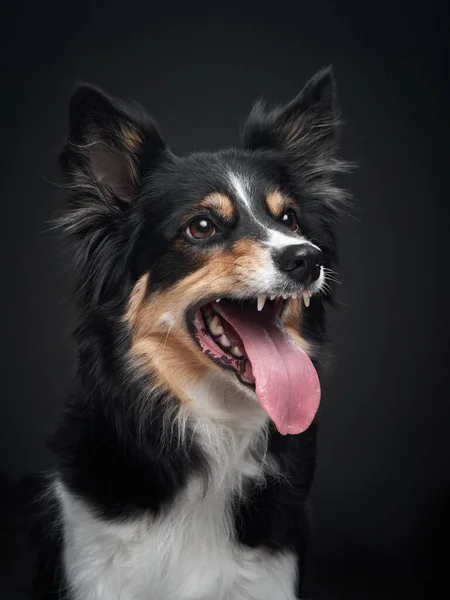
point(184, 459)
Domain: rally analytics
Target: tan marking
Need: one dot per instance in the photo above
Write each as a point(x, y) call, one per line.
point(136, 298)
point(219, 203)
point(132, 142)
point(277, 203)
point(131, 139)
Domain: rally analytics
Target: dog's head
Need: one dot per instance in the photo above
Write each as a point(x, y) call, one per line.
point(214, 261)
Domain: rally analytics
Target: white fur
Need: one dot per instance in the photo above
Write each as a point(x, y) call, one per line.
point(319, 284)
point(241, 188)
point(189, 551)
point(277, 239)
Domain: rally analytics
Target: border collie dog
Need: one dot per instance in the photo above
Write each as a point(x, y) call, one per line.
point(185, 455)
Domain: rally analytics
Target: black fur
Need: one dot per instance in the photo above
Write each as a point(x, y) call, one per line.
point(122, 223)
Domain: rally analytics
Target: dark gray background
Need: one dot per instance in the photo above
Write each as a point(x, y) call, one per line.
point(383, 479)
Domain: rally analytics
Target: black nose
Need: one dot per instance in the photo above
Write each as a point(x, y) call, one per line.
point(301, 261)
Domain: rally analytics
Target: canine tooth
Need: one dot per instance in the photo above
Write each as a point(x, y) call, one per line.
point(261, 302)
point(306, 299)
point(218, 299)
point(236, 352)
point(215, 326)
point(224, 341)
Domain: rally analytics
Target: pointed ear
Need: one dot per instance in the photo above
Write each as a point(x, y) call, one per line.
point(305, 127)
point(109, 145)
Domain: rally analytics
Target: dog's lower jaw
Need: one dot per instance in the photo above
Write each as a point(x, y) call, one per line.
point(205, 391)
point(219, 396)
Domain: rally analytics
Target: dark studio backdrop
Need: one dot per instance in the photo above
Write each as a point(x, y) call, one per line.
point(383, 479)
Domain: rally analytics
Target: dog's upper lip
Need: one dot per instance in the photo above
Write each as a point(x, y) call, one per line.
point(260, 299)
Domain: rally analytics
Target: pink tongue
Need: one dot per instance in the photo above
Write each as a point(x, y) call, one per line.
point(287, 384)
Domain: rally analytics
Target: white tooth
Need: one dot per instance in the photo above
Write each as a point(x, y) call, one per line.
point(215, 326)
point(273, 296)
point(285, 296)
point(224, 341)
point(236, 352)
point(218, 299)
point(261, 302)
point(306, 300)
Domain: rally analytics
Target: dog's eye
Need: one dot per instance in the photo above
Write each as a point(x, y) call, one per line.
point(200, 229)
point(290, 220)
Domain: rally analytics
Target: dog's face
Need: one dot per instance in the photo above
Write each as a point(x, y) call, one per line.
point(218, 255)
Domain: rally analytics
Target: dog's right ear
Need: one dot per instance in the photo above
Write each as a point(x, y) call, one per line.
point(110, 145)
point(110, 148)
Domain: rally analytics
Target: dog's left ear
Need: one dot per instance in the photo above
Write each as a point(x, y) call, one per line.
point(306, 127)
point(110, 144)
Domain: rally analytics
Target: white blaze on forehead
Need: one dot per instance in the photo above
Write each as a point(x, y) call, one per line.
point(241, 188)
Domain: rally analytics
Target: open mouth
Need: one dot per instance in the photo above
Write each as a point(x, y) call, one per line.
point(248, 337)
point(221, 341)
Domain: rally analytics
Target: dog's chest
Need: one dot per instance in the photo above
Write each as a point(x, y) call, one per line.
point(188, 552)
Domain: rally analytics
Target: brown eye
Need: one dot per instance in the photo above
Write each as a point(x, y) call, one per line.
point(201, 229)
point(290, 220)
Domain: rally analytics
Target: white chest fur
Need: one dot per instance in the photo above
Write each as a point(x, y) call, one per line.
point(188, 555)
point(189, 551)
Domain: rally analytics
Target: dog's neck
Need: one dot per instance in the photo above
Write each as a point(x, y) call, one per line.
point(219, 397)
point(230, 426)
